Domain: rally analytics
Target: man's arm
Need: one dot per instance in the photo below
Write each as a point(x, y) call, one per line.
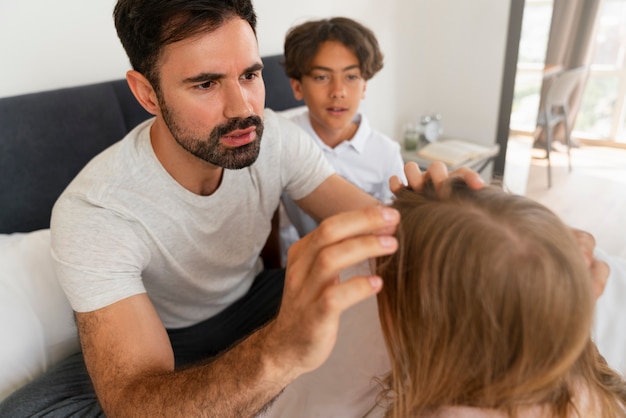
point(336, 194)
point(130, 360)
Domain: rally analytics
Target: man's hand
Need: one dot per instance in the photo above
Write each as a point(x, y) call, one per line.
point(306, 327)
point(599, 269)
point(437, 172)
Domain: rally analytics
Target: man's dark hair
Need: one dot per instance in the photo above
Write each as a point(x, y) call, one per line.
point(145, 27)
point(303, 41)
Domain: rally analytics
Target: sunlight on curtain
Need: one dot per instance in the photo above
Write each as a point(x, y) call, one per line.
point(532, 54)
point(603, 111)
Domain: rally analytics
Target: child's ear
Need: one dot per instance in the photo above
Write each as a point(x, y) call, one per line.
point(296, 86)
point(143, 91)
point(363, 92)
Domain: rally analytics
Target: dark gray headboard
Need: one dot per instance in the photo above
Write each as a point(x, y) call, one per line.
point(278, 93)
point(47, 137)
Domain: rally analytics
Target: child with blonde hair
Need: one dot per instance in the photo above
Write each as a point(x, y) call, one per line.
point(487, 310)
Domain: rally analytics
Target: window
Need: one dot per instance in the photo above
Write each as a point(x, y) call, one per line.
point(602, 113)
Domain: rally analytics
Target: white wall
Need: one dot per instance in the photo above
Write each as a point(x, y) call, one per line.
point(452, 64)
point(48, 44)
point(441, 55)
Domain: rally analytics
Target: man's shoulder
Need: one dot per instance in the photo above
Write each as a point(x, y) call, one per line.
point(113, 165)
point(278, 125)
point(287, 117)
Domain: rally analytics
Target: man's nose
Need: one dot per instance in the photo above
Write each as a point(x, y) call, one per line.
point(237, 102)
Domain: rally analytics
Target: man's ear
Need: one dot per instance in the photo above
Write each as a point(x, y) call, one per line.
point(296, 86)
point(143, 91)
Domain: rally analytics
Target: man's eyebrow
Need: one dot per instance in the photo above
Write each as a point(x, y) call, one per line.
point(204, 77)
point(254, 68)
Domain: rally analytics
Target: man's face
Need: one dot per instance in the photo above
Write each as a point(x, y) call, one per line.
point(333, 88)
point(212, 95)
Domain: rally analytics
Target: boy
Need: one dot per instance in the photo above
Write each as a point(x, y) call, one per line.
point(329, 62)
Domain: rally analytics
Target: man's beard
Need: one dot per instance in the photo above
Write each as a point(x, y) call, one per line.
point(210, 149)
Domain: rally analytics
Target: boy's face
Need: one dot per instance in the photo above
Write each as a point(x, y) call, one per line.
point(332, 90)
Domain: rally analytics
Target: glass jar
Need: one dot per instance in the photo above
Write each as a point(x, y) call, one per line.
point(411, 137)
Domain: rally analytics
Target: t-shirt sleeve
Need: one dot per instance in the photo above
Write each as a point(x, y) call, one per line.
point(98, 255)
point(304, 166)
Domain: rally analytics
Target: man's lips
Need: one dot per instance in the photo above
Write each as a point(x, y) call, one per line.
point(239, 137)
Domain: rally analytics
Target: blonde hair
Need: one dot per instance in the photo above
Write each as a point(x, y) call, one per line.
point(487, 303)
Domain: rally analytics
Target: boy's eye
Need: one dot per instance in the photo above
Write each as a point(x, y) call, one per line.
point(320, 77)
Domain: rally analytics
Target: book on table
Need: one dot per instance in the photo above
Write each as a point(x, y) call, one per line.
point(455, 152)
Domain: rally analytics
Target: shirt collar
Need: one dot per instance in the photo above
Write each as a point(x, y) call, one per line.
point(359, 139)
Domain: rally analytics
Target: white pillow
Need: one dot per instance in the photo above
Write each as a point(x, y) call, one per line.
point(609, 328)
point(37, 324)
point(345, 385)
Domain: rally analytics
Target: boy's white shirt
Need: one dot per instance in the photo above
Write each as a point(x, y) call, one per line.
point(367, 160)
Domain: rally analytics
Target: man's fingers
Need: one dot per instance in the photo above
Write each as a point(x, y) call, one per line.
point(599, 273)
point(332, 259)
point(340, 241)
point(437, 172)
point(587, 244)
point(599, 269)
point(471, 178)
point(354, 223)
point(395, 184)
point(414, 175)
point(342, 296)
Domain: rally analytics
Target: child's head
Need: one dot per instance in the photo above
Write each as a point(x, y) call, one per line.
point(329, 62)
point(487, 302)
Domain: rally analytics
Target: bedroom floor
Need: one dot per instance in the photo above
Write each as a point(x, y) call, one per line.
point(592, 197)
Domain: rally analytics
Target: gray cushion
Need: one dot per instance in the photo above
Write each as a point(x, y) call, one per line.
point(47, 137)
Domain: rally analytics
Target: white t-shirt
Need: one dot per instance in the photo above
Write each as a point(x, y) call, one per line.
point(367, 160)
point(124, 226)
